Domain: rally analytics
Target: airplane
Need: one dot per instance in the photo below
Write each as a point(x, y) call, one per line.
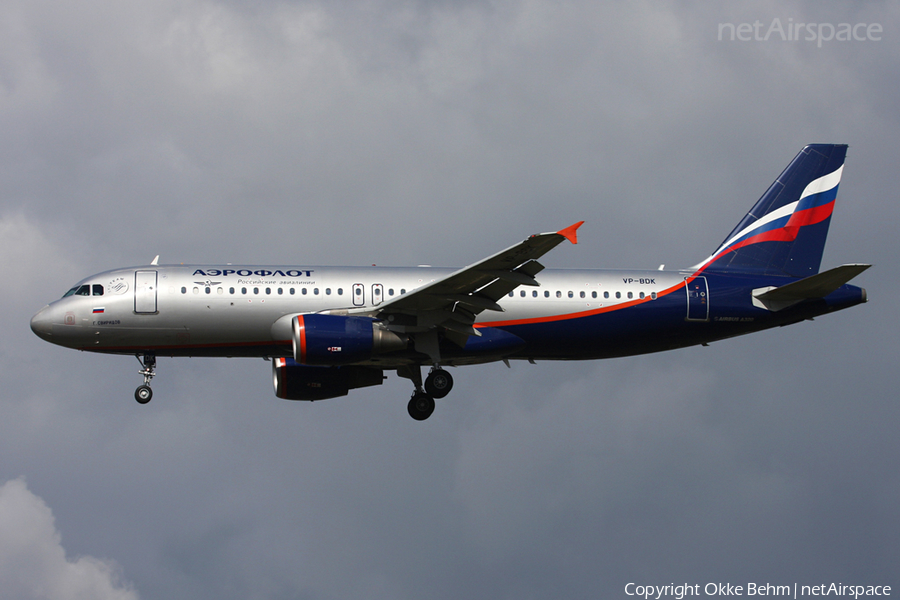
point(328, 330)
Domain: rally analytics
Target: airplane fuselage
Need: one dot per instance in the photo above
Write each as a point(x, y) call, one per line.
point(232, 311)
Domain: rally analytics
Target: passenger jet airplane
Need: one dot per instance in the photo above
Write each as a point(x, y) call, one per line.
point(328, 330)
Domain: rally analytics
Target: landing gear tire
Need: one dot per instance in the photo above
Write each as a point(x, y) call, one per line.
point(143, 394)
point(438, 383)
point(420, 406)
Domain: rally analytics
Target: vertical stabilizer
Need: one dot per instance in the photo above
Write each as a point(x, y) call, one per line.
point(784, 233)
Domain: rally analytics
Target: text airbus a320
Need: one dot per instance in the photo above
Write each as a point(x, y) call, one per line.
point(329, 330)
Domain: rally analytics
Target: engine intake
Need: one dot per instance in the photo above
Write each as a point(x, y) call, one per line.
point(341, 340)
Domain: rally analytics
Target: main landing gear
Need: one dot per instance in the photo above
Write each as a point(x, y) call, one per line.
point(437, 385)
point(143, 394)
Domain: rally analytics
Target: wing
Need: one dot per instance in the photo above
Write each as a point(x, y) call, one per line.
point(451, 304)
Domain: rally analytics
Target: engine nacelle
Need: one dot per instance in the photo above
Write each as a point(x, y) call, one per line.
point(341, 340)
point(300, 382)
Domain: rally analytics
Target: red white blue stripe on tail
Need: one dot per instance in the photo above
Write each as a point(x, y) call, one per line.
point(784, 233)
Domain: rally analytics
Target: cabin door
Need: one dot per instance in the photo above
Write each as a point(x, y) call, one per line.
point(359, 294)
point(145, 292)
point(697, 299)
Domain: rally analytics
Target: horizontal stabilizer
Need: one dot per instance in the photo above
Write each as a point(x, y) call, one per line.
point(808, 288)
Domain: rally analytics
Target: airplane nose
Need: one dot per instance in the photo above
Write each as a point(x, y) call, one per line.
point(41, 323)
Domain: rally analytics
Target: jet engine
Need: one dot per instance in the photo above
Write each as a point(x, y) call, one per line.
point(300, 382)
point(341, 340)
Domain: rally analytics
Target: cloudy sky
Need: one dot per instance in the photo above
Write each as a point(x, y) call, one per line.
point(439, 132)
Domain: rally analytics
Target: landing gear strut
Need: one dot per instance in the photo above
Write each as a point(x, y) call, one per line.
point(437, 385)
point(143, 394)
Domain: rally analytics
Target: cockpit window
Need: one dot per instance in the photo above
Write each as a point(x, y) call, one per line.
point(83, 290)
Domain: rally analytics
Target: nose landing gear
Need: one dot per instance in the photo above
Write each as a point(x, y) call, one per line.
point(143, 394)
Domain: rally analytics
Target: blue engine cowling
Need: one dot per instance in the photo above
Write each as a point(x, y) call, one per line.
point(341, 340)
point(294, 381)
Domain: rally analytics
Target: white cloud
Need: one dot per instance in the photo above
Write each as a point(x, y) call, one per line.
point(33, 563)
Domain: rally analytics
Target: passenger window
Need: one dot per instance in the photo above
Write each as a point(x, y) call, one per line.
point(280, 292)
point(327, 291)
point(220, 291)
point(256, 290)
point(606, 294)
point(402, 291)
point(316, 291)
point(559, 294)
point(618, 294)
point(184, 290)
point(230, 290)
point(390, 291)
point(97, 290)
point(546, 293)
point(522, 293)
point(582, 294)
point(593, 294)
point(208, 290)
point(292, 291)
point(341, 291)
point(642, 295)
point(243, 290)
point(268, 291)
point(358, 291)
point(571, 294)
point(630, 295)
point(511, 294)
point(534, 294)
point(196, 290)
point(303, 291)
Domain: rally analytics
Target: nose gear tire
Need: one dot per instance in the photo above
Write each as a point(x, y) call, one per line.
point(143, 394)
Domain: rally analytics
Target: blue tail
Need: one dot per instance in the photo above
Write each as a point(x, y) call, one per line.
point(784, 233)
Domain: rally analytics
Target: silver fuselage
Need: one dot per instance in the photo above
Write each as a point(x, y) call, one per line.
point(226, 310)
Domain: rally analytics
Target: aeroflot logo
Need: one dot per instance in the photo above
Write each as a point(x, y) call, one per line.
point(248, 272)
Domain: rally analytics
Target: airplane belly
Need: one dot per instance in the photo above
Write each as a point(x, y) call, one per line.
point(642, 328)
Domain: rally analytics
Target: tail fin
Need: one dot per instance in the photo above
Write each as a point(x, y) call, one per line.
point(784, 233)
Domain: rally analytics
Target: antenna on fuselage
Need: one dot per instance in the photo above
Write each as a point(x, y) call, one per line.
point(155, 261)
